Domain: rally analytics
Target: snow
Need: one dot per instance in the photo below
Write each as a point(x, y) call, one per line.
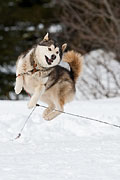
point(7, 69)
point(66, 148)
point(55, 28)
point(40, 26)
point(100, 77)
point(30, 28)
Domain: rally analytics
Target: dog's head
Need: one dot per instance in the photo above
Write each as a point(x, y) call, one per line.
point(48, 53)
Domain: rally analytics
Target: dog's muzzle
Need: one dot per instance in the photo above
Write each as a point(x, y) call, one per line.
point(49, 61)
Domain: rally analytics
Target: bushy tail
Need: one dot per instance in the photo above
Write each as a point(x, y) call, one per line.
point(75, 60)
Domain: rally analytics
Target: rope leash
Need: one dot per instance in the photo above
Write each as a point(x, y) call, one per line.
point(63, 112)
point(84, 117)
point(20, 133)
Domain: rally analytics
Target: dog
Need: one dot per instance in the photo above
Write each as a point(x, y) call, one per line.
point(39, 73)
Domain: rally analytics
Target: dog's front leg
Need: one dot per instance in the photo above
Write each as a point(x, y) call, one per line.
point(38, 92)
point(19, 84)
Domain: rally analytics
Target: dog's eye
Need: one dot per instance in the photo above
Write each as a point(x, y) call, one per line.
point(49, 49)
point(57, 52)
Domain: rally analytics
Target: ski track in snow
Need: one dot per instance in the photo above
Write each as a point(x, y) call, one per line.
point(66, 148)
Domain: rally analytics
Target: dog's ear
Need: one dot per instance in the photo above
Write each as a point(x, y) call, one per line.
point(64, 46)
point(46, 38)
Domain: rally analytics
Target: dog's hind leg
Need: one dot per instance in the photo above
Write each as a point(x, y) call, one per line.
point(19, 84)
point(56, 112)
point(47, 111)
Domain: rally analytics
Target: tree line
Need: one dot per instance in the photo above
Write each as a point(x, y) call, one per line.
point(85, 26)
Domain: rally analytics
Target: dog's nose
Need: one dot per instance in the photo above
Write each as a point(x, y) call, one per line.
point(53, 56)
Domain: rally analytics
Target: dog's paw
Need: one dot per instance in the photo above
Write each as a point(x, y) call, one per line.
point(31, 104)
point(50, 116)
point(47, 118)
point(17, 89)
point(46, 112)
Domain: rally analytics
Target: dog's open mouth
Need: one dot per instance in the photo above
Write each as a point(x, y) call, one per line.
point(49, 61)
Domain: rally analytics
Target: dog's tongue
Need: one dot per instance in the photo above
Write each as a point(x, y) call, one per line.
point(50, 60)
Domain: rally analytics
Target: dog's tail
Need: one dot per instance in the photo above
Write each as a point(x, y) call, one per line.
point(75, 60)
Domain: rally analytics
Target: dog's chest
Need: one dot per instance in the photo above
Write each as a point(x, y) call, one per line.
point(32, 81)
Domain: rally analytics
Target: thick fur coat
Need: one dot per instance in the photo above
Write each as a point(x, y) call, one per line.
point(39, 74)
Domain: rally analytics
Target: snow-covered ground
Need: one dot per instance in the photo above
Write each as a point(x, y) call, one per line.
point(67, 148)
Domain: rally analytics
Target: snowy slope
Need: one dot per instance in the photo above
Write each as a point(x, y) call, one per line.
point(67, 148)
point(100, 77)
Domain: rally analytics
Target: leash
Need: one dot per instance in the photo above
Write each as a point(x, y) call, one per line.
point(84, 117)
point(20, 133)
point(67, 113)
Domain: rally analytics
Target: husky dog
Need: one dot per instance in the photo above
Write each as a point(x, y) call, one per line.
point(39, 74)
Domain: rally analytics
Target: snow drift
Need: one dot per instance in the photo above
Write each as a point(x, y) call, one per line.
point(65, 148)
